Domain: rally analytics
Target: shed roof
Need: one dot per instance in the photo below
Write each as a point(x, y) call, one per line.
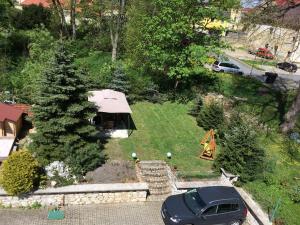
point(8, 112)
point(110, 101)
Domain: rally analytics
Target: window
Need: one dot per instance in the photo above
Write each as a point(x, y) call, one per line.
point(225, 208)
point(193, 201)
point(210, 211)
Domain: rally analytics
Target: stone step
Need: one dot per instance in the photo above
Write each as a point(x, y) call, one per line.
point(162, 179)
point(158, 186)
point(151, 168)
point(160, 192)
point(144, 174)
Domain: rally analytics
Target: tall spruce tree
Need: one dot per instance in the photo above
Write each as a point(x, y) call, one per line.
point(240, 153)
point(62, 114)
point(119, 80)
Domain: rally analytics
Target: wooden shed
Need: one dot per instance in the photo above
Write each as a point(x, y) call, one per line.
point(10, 120)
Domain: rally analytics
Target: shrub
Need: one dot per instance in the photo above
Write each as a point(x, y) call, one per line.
point(211, 116)
point(295, 194)
point(197, 106)
point(59, 173)
point(19, 174)
point(292, 149)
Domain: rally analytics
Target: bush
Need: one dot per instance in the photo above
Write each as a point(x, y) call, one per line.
point(211, 116)
point(59, 173)
point(197, 106)
point(19, 174)
point(292, 149)
point(295, 194)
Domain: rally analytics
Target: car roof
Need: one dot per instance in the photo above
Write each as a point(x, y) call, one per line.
point(217, 193)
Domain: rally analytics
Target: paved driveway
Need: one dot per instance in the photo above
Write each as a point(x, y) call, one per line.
point(105, 214)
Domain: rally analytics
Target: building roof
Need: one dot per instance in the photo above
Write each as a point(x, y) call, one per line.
point(210, 194)
point(25, 108)
point(110, 101)
point(8, 112)
point(44, 3)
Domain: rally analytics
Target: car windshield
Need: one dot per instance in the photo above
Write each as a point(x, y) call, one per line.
point(193, 201)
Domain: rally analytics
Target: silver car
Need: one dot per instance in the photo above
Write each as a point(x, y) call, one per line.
point(226, 67)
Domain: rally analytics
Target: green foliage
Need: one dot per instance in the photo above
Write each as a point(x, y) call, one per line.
point(292, 148)
point(31, 16)
point(197, 106)
point(119, 80)
point(241, 153)
point(295, 194)
point(162, 35)
point(62, 114)
point(35, 205)
point(211, 116)
point(19, 174)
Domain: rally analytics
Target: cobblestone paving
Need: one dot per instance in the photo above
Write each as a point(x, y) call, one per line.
point(105, 214)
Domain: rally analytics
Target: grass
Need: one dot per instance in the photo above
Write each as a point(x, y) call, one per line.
point(283, 176)
point(94, 64)
point(257, 63)
point(161, 129)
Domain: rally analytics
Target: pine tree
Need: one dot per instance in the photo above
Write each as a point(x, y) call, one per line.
point(197, 106)
point(62, 114)
point(241, 154)
point(211, 116)
point(119, 80)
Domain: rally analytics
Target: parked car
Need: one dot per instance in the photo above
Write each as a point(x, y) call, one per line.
point(264, 53)
point(205, 206)
point(226, 67)
point(290, 67)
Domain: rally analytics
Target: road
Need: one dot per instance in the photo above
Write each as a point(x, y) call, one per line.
point(248, 70)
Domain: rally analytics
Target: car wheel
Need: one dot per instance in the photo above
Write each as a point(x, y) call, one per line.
point(241, 73)
point(236, 222)
point(221, 71)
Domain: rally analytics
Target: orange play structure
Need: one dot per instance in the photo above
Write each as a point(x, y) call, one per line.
point(209, 146)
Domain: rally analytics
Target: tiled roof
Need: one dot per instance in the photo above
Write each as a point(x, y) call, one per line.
point(25, 108)
point(8, 112)
point(44, 3)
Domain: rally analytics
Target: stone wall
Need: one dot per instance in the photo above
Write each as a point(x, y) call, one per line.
point(80, 195)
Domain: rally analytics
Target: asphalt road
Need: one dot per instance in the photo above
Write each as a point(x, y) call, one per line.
point(250, 71)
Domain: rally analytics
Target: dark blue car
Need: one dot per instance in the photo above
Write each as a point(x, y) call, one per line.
point(205, 206)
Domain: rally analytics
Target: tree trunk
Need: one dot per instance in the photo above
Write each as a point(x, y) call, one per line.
point(115, 27)
point(73, 18)
point(291, 116)
point(60, 11)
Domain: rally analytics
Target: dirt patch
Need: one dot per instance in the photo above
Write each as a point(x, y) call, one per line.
point(115, 171)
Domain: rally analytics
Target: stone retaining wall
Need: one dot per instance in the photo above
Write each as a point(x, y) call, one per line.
point(80, 195)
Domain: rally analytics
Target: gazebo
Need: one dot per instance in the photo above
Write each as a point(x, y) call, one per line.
point(113, 116)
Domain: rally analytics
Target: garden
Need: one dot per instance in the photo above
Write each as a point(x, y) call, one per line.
point(159, 64)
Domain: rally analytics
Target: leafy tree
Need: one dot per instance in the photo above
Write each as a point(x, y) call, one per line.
point(19, 174)
point(62, 114)
point(119, 81)
point(240, 153)
point(211, 116)
point(31, 16)
point(163, 35)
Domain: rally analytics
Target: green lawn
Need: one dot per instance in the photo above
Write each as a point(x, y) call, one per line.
point(285, 175)
point(257, 63)
point(163, 128)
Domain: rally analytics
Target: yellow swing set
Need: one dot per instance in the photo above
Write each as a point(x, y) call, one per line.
point(209, 146)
